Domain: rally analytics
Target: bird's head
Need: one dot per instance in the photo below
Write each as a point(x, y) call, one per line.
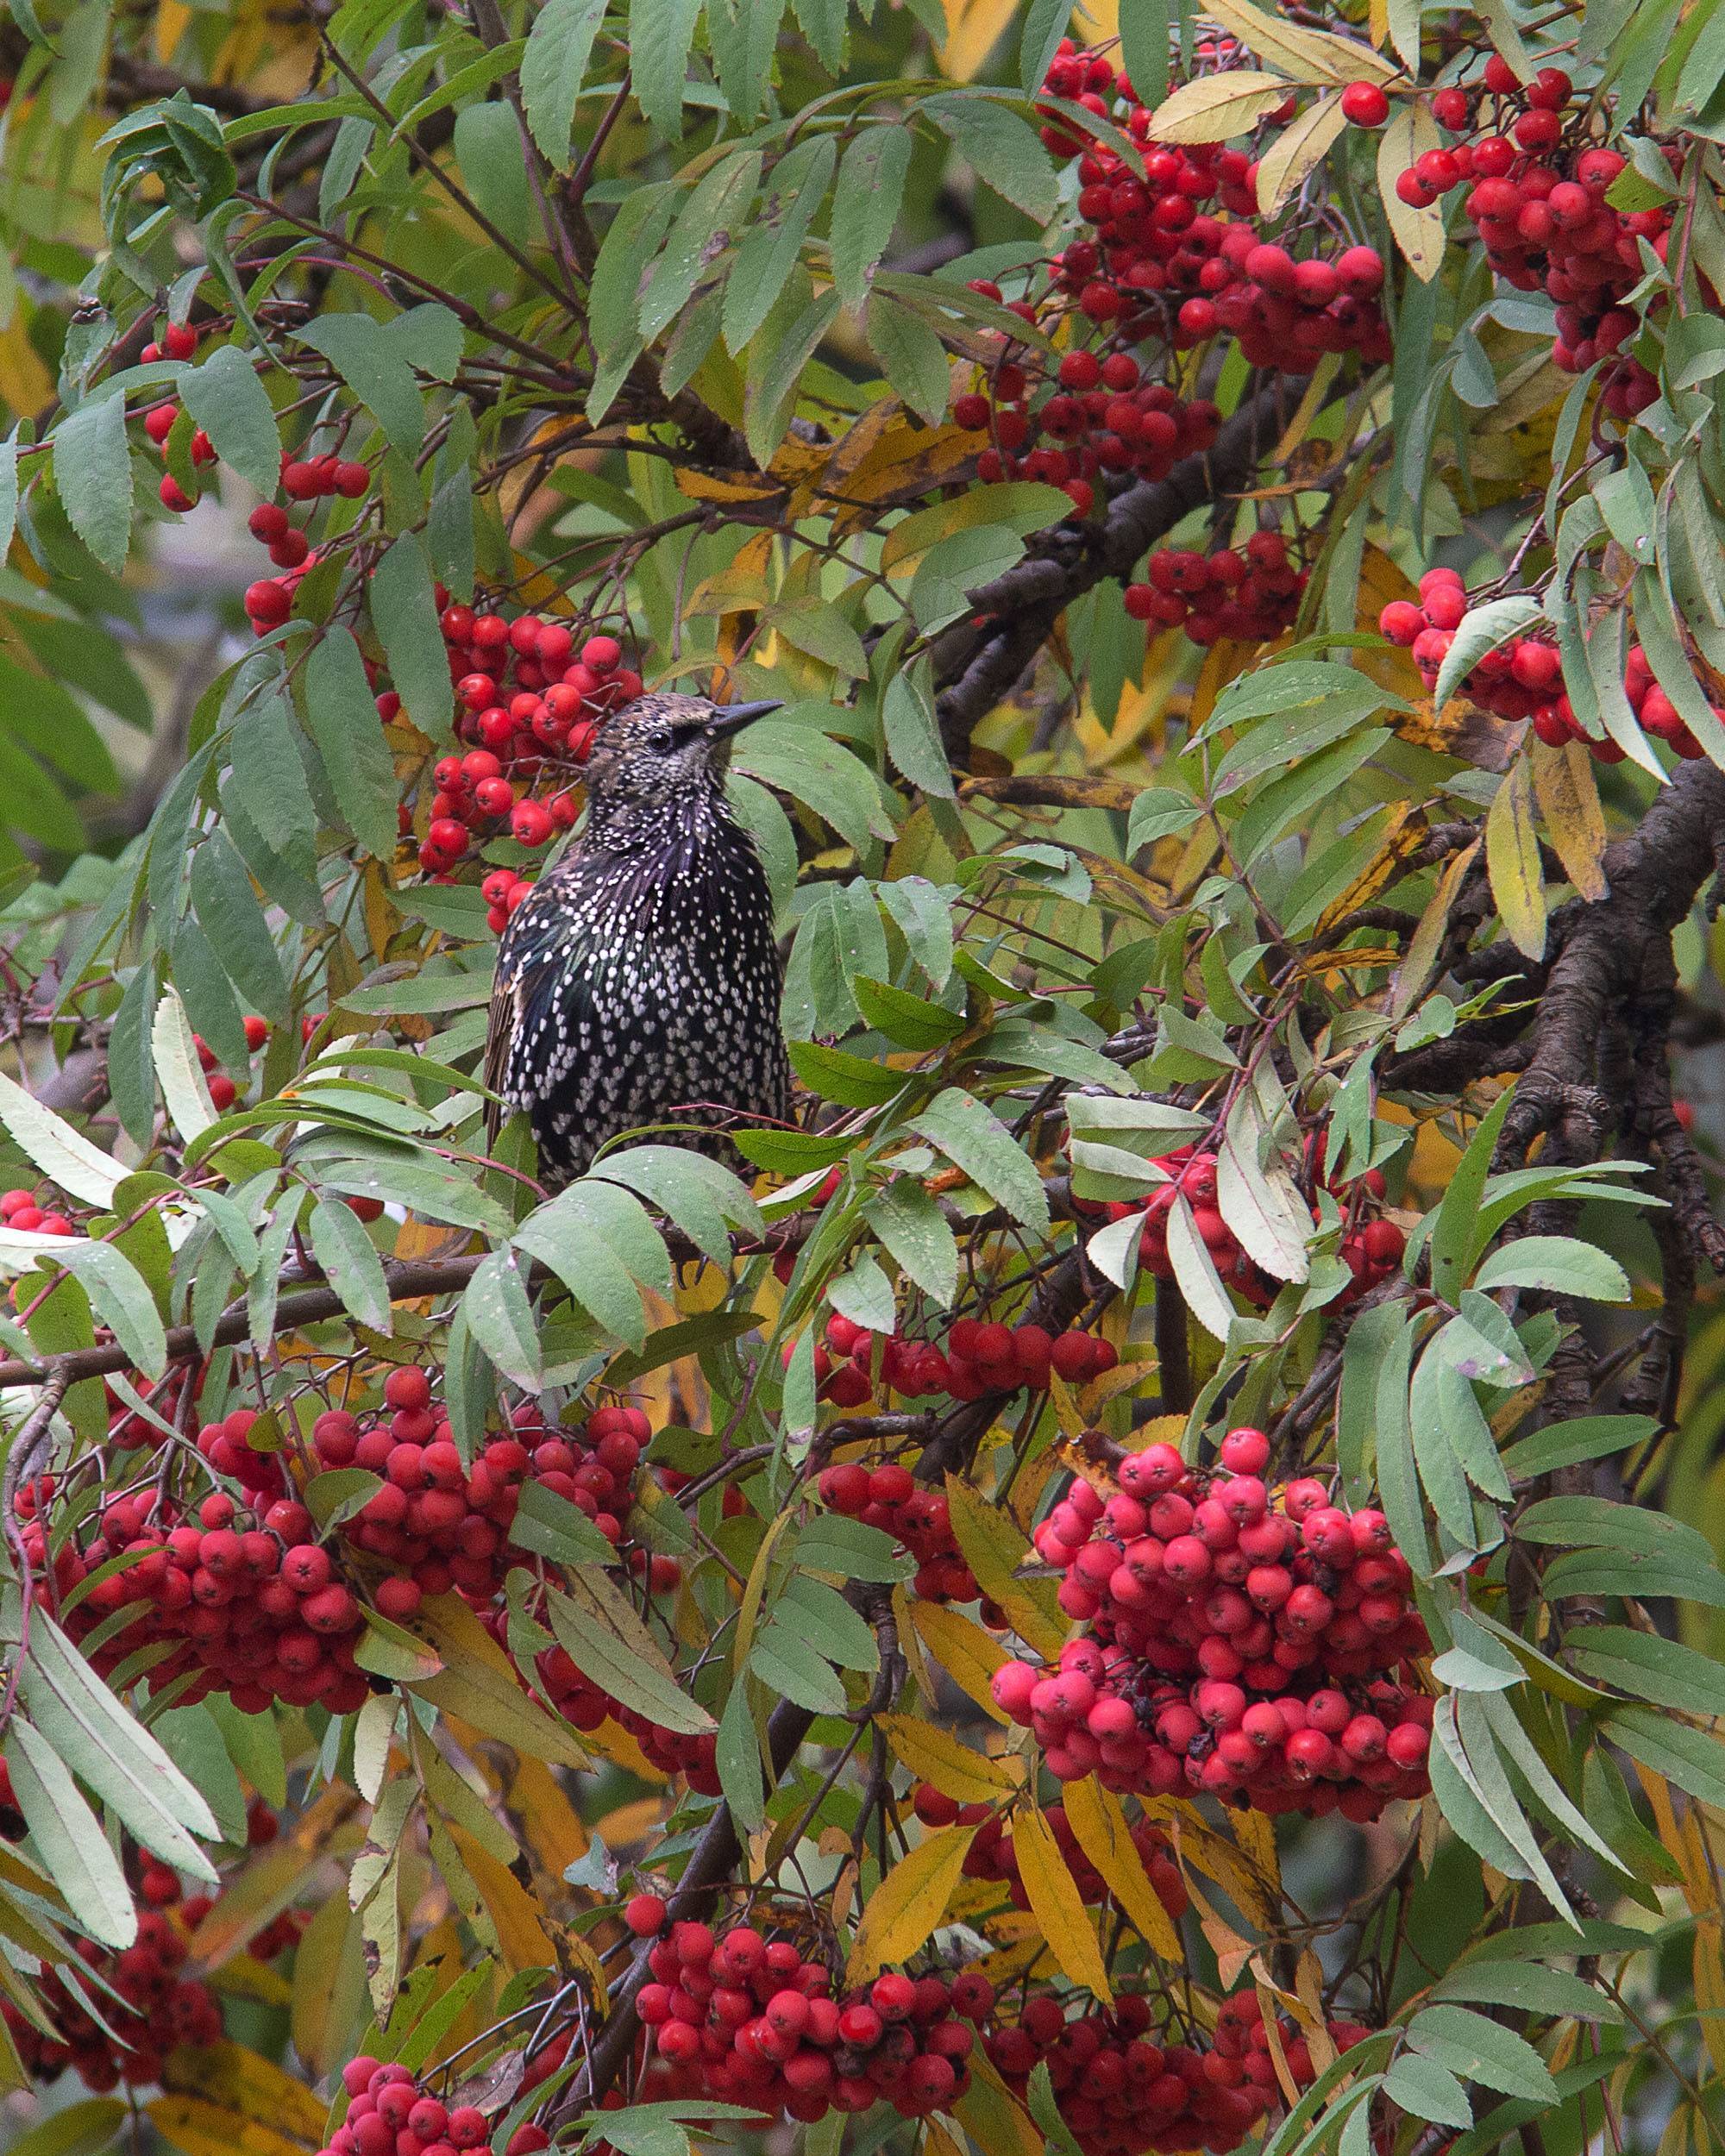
point(664, 749)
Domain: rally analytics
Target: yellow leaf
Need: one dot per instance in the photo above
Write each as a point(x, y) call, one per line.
point(1708, 1964)
point(243, 2082)
point(1290, 160)
point(1425, 942)
point(1512, 861)
point(206, 2129)
point(993, 2117)
point(1238, 1877)
point(27, 384)
point(936, 2141)
point(545, 1819)
point(969, 1655)
point(1304, 56)
point(754, 1588)
point(1211, 108)
point(1569, 801)
point(1095, 1817)
point(974, 28)
point(1419, 232)
point(324, 1954)
point(935, 1755)
point(480, 1684)
point(1053, 789)
point(1403, 830)
point(709, 486)
point(906, 1909)
point(265, 1886)
point(994, 1549)
point(173, 20)
point(1057, 1905)
point(520, 1937)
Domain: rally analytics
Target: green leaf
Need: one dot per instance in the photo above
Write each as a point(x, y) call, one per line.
point(92, 474)
point(715, 206)
point(974, 1139)
point(777, 358)
point(796, 187)
point(597, 1624)
point(340, 716)
point(1692, 1758)
point(349, 1258)
point(552, 68)
point(914, 361)
point(339, 1492)
point(404, 609)
point(553, 1528)
point(1649, 1667)
point(1525, 1984)
point(1476, 2049)
point(268, 773)
point(865, 205)
point(1558, 1263)
point(907, 1020)
point(80, 1168)
point(1425, 2090)
point(1453, 1233)
point(178, 1069)
point(822, 1616)
point(907, 709)
point(1583, 1438)
point(226, 399)
point(851, 1081)
point(233, 921)
point(1143, 48)
point(600, 1242)
point(68, 1840)
point(1004, 150)
point(661, 35)
point(701, 1196)
point(848, 1549)
point(913, 1231)
point(738, 1760)
point(1481, 629)
point(121, 1299)
point(786, 1664)
point(376, 370)
point(500, 1317)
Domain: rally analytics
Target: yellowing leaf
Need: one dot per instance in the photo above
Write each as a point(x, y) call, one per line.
point(1296, 151)
point(265, 1886)
point(906, 1909)
point(201, 2128)
point(1419, 232)
point(969, 1655)
point(480, 1684)
point(1569, 801)
point(1095, 1817)
point(973, 30)
point(547, 1821)
point(1512, 861)
point(1427, 940)
point(520, 1937)
point(1403, 833)
point(1304, 56)
point(243, 2081)
point(1057, 1905)
point(993, 2117)
point(1213, 107)
point(710, 486)
point(935, 1755)
point(1238, 1877)
point(994, 1549)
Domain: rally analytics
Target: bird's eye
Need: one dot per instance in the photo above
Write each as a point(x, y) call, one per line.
point(661, 741)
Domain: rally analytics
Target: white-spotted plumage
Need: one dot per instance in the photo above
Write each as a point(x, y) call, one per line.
point(639, 982)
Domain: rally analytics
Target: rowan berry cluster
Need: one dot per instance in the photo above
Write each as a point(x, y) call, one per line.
point(24, 1210)
point(890, 1498)
point(1537, 185)
point(529, 702)
point(1523, 678)
point(991, 1856)
point(1121, 2091)
point(1371, 1249)
point(390, 2113)
point(977, 1359)
point(1239, 1641)
point(585, 1706)
point(743, 2019)
point(1250, 594)
point(150, 2009)
point(247, 1602)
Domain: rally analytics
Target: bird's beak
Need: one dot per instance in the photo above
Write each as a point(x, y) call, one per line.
point(731, 719)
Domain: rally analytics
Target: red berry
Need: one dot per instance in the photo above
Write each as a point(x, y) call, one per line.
point(180, 341)
point(645, 1913)
point(1365, 104)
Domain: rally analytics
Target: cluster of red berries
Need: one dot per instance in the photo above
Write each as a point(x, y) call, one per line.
point(1102, 416)
point(1161, 264)
point(1250, 594)
point(1238, 1641)
point(1523, 678)
point(1536, 196)
point(147, 2009)
point(447, 1525)
point(991, 1856)
point(392, 2114)
point(583, 1705)
point(890, 1498)
point(24, 1209)
point(246, 1603)
point(529, 702)
point(269, 602)
point(1371, 1249)
point(178, 340)
point(978, 1359)
point(739, 2019)
point(1120, 2091)
point(222, 1088)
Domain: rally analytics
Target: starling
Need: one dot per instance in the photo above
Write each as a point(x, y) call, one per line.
point(639, 982)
